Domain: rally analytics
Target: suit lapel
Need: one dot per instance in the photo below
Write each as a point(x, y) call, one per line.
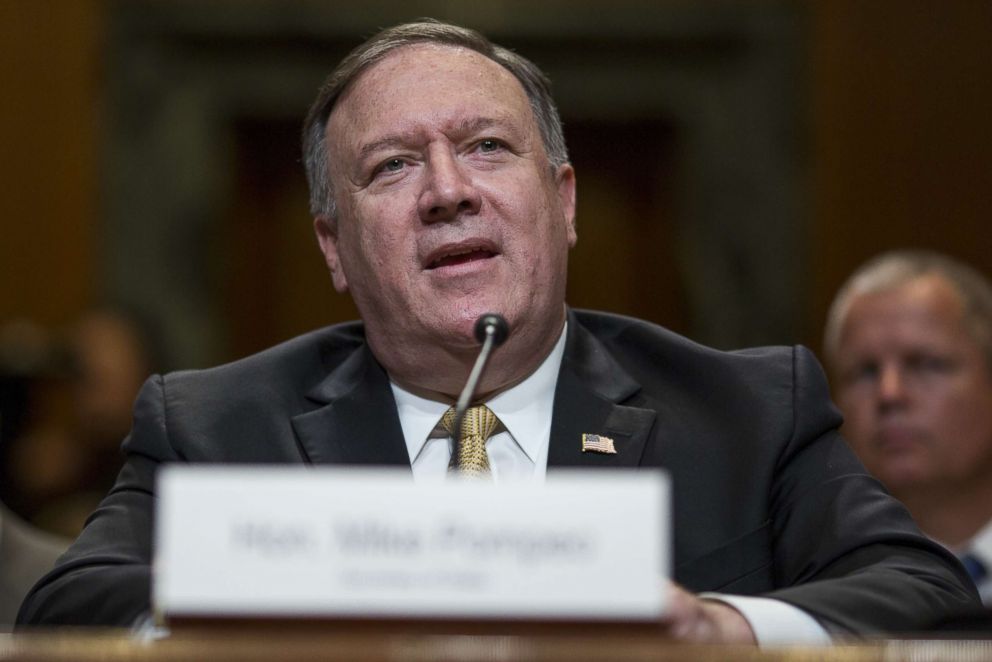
point(590, 387)
point(357, 423)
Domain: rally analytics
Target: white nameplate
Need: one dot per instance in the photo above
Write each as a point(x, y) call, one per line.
point(311, 542)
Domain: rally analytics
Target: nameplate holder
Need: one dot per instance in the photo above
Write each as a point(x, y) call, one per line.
point(281, 542)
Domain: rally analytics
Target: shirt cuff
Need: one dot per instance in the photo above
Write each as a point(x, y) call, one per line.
point(775, 623)
point(145, 628)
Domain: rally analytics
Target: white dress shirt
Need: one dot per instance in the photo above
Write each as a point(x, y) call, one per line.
point(519, 451)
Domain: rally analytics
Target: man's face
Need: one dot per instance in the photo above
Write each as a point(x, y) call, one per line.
point(915, 388)
point(448, 206)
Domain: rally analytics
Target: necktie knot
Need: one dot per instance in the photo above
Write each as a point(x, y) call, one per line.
point(470, 450)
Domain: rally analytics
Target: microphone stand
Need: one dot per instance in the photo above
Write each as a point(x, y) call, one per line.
point(491, 330)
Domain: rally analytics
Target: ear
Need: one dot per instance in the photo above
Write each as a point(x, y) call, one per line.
point(565, 179)
point(326, 229)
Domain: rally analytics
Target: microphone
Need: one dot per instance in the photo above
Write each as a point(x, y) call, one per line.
point(492, 331)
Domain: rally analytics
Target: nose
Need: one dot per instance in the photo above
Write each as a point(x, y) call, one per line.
point(891, 385)
point(449, 191)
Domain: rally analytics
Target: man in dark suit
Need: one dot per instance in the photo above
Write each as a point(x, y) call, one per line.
point(909, 340)
point(441, 190)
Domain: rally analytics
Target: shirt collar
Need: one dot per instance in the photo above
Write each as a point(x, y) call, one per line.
point(524, 408)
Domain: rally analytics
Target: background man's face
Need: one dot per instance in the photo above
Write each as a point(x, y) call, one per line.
point(448, 207)
point(915, 388)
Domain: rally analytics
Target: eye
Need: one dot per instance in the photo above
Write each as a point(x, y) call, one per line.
point(490, 145)
point(860, 373)
point(392, 165)
point(929, 364)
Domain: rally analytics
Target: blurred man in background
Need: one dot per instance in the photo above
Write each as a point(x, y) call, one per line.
point(28, 378)
point(909, 343)
point(67, 405)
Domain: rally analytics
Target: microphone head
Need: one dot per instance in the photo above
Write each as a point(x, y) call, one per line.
point(499, 328)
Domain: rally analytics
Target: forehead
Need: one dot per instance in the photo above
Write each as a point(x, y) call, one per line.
point(924, 310)
point(427, 85)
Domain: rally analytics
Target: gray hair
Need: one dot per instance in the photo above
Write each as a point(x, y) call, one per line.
point(426, 31)
point(893, 269)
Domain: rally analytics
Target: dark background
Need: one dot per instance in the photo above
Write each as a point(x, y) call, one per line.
point(735, 159)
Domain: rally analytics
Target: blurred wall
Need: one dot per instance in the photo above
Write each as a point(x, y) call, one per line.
point(49, 174)
point(902, 141)
point(894, 144)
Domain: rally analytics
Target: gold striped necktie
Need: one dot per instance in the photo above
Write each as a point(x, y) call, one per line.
point(477, 427)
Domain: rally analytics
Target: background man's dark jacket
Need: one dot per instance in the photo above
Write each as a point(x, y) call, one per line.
point(767, 497)
point(26, 553)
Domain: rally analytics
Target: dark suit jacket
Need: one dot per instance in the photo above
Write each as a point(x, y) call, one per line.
point(767, 497)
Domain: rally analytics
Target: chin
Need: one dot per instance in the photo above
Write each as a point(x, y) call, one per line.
point(460, 332)
point(904, 477)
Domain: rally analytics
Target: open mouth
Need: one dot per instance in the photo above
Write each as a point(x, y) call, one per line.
point(461, 258)
point(450, 256)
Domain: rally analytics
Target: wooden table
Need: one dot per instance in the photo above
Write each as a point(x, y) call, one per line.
point(387, 642)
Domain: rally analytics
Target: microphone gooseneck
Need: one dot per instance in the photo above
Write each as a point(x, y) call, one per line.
point(492, 331)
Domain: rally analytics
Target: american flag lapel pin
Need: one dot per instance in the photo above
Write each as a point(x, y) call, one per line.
point(597, 443)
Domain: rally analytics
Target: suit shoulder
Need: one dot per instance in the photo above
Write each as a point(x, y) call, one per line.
point(664, 362)
point(632, 339)
point(297, 362)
